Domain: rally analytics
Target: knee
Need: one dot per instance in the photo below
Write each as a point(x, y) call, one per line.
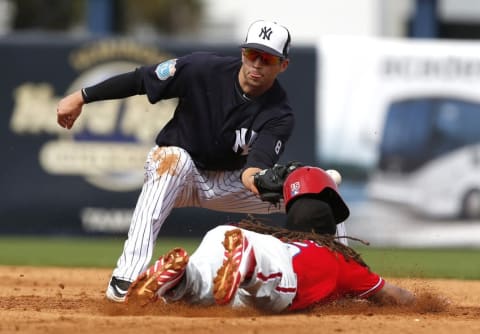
point(172, 160)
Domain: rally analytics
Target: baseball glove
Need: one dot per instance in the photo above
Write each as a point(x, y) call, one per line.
point(269, 182)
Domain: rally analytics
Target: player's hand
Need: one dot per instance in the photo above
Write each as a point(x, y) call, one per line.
point(69, 108)
point(269, 182)
point(247, 179)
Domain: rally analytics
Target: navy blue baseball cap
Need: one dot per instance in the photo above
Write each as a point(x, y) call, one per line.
point(269, 37)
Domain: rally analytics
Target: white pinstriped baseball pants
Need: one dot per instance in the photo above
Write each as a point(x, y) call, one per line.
point(172, 181)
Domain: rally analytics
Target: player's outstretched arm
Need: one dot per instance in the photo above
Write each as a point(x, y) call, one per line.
point(69, 108)
point(393, 295)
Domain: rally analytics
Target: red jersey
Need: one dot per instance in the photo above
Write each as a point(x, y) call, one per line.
point(323, 275)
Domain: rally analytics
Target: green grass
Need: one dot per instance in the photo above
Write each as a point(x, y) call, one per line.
point(75, 252)
point(103, 252)
point(427, 263)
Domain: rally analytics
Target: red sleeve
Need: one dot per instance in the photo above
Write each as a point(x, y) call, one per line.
point(356, 280)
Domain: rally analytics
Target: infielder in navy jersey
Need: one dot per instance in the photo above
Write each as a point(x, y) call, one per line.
point(232, 120)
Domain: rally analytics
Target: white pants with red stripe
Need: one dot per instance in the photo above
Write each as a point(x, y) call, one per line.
point(172, 181)
point(273, 283)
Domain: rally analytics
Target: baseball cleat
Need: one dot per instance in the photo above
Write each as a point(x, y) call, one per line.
point(162, 276)
point(238, 263)
point(117, 289)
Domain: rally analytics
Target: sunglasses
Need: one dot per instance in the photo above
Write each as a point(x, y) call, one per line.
point(266, 58)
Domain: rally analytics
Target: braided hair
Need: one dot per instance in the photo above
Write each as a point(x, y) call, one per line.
point(329, 241)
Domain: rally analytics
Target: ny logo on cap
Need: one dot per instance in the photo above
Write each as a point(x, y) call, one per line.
point(265, 33)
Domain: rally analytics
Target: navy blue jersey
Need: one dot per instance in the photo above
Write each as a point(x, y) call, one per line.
point(215, 122)
point(220, 127)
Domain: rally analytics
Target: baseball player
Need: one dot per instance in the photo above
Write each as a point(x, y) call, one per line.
point(272, 269)
point(233, 120)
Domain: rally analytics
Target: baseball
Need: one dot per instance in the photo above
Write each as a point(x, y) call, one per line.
point(335, 175)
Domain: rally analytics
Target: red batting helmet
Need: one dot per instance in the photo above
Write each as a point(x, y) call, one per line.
point(315, 181)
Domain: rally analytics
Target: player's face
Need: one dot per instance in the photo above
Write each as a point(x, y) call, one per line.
point(259, 71)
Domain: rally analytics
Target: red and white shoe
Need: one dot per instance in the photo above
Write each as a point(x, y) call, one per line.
point(238, 264)
point(162, 276)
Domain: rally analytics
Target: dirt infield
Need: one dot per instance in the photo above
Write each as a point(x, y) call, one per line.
point(60, 300)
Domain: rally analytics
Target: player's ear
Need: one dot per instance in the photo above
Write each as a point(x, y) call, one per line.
point(284, 65)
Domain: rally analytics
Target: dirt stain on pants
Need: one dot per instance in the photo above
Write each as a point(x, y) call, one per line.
point(168, 162)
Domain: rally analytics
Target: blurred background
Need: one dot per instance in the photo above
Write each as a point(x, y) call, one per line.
point(384, 91)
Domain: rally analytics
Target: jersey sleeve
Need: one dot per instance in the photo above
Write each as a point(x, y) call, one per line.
point(358, 281)
point(270, 142)
point(168, 79)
